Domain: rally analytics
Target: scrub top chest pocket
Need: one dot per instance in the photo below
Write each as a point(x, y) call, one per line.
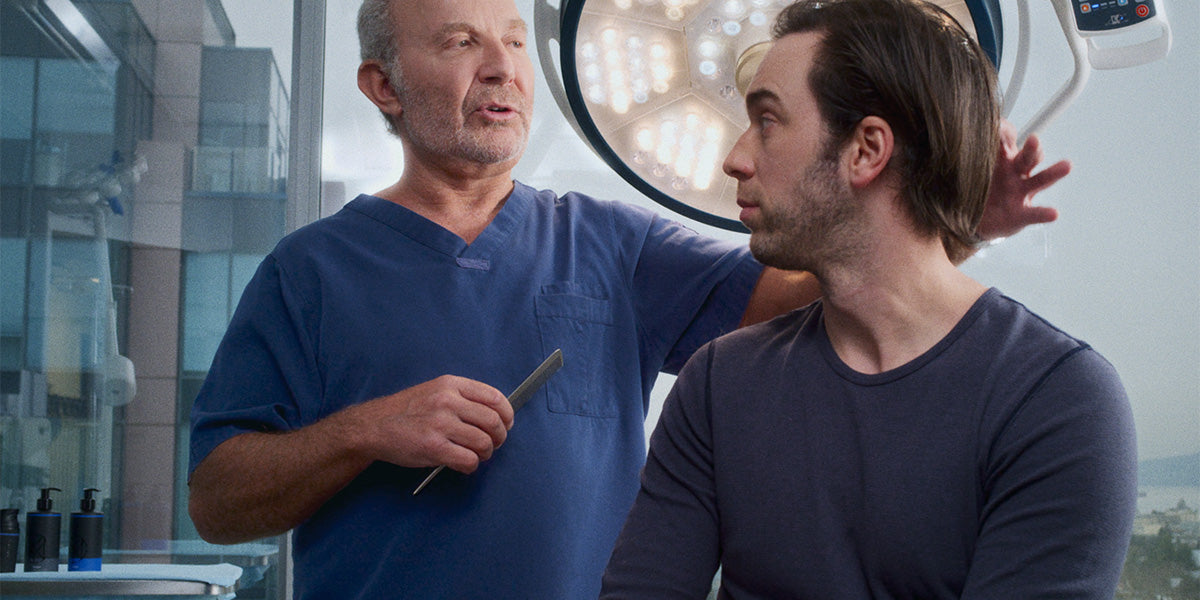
point(579, 321)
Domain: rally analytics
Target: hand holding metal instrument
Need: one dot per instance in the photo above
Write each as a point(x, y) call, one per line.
point(519, 397)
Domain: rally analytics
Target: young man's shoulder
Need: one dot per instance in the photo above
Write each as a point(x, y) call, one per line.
point(1025, 330)
point(780, 336)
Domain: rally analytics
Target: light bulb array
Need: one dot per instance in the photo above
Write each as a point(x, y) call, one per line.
point(683, 150)
point(663, 82)
point(661, 72)
point(619, 71)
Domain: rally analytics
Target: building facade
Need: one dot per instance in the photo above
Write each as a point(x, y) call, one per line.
point(143, 161)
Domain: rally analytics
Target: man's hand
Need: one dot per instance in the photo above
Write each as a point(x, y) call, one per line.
point(450, 421)
point(1010, 202)
point(256, 484)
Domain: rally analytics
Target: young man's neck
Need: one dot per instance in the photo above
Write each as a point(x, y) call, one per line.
point(883, 314)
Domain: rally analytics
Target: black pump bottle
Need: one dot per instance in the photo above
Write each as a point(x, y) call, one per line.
point(87, 535)
point(42, 530)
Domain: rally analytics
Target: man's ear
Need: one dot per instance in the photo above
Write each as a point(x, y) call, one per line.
point(868, 151)
point(375, 84)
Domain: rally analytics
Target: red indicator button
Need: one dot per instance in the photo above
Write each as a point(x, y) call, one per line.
point(1143, 10)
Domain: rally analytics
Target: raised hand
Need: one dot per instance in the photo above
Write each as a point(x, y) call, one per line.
point(1010, 205)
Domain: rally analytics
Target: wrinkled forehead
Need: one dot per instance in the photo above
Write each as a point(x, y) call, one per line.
point(416, 19)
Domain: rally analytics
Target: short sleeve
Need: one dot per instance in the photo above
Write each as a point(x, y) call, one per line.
point(264, 369)
point(690, 289)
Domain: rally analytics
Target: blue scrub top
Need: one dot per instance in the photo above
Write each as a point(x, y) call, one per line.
point(376, 299)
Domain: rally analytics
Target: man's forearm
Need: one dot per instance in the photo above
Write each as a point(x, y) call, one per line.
point(257, 485)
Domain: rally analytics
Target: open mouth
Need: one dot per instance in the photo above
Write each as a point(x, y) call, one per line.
point(497, 109)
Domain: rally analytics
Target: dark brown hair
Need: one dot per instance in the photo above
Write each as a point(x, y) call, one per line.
point(909, 63)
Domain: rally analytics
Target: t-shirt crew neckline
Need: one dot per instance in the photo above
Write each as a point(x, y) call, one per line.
point(871, 379)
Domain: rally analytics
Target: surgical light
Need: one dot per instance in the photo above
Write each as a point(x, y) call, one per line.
point(655, 86)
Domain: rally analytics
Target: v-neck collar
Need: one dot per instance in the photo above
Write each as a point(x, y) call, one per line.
point(476, 255)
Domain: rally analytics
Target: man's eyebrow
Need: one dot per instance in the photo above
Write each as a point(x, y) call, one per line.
point(449, 28)
point(518, 24)
point(759, 97)
point(464, 27)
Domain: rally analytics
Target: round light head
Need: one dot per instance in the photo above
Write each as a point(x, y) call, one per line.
point(656, 88)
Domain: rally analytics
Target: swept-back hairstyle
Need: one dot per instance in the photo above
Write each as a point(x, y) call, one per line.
point(909, 63)
point(377, 41)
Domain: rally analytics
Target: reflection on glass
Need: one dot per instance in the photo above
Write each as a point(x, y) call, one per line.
point(143, 160)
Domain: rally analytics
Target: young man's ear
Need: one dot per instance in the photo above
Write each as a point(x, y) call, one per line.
point(375, 84)
point(868, 151)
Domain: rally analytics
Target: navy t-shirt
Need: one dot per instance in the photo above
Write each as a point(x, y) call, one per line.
point(998, 464)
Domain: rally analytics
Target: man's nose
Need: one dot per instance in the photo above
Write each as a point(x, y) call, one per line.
point(737, 164)
point(499, 65)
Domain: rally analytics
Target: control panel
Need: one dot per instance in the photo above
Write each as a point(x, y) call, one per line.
point(1105, 15)
point(1140, 24)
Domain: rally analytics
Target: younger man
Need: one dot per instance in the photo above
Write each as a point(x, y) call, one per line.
point(913, 434)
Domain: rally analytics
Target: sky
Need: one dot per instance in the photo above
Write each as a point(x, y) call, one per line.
point(1120, 269)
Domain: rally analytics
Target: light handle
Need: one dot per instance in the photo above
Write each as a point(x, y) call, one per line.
point(1088, 55)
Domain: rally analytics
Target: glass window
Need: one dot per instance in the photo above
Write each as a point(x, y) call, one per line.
point(143, 164)
point(89, 108)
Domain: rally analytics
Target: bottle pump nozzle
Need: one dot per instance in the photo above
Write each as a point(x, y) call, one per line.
point(88, 503)
point(45, 503)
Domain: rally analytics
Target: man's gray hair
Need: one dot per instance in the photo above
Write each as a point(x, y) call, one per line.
point(376, 34)
point(377, 41)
